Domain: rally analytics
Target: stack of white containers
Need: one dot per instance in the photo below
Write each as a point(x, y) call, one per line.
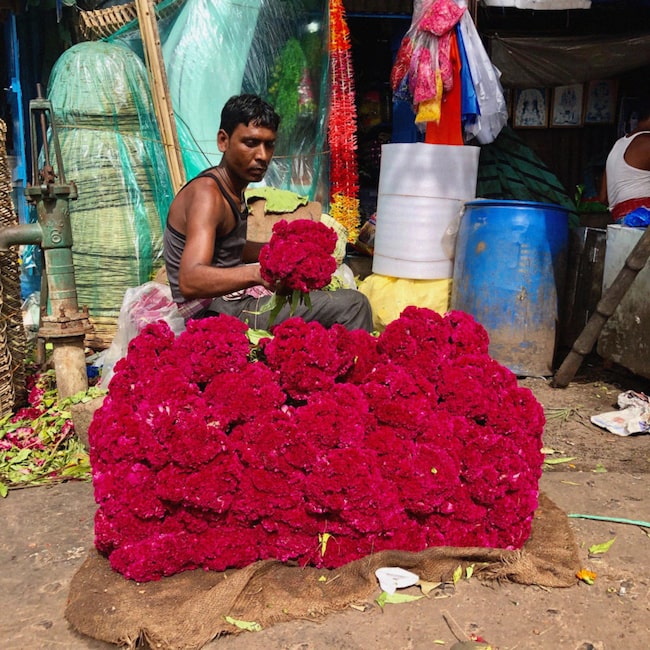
point(422, 190)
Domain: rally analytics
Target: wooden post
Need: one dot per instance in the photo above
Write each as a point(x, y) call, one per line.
point(160, 91)
point(607, 305)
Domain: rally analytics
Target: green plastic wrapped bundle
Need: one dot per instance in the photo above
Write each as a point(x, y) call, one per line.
point(111, 148)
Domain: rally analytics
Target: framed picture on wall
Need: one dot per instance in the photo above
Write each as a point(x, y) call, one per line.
point(530, 108)
point(601, 102)
point(568, 105)
point(628, 115)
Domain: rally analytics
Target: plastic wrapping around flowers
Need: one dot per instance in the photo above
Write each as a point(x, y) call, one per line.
point(319, 446)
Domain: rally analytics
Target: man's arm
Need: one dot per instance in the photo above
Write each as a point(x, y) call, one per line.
point(208, 215)
point(638, 153)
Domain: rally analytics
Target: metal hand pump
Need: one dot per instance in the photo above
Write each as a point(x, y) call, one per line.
point(65, 327)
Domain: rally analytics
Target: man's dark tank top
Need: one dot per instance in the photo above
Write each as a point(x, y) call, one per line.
point(228, 249)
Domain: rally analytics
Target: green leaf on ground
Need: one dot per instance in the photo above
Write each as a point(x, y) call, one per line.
point(250, 626)
point(557, 461)
point(385, 598)
point(599, 549)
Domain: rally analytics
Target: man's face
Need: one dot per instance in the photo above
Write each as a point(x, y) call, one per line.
point(248, 151)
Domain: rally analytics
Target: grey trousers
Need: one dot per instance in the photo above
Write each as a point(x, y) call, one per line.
point(344, 306)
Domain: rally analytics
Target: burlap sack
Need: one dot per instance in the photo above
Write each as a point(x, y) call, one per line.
point(188, 610)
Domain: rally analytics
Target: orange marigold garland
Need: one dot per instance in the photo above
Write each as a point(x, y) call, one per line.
point(342, 126)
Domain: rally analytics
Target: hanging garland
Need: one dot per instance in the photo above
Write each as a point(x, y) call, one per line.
point(342, 127)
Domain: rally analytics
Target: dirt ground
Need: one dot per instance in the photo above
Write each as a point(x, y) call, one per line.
point(46, 533)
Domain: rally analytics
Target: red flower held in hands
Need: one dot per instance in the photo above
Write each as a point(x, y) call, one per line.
point(298, 259)
point(299, 255)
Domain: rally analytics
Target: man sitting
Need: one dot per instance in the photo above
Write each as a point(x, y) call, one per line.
point(211, 267)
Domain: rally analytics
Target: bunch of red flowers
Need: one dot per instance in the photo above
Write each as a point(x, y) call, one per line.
point(297, 259)
point(299, 255)
point(331, 445)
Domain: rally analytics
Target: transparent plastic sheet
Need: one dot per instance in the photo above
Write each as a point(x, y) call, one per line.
point(214, 49)
point(199, 82)
point(111, 148)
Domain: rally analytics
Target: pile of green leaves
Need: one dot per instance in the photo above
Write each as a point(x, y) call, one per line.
point(38, 445)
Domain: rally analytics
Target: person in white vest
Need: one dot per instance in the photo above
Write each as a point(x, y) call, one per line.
point(626, 182)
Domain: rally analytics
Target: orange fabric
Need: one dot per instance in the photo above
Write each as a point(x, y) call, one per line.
point(449, 129)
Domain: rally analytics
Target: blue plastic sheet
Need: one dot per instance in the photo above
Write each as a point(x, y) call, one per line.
point(639, 218)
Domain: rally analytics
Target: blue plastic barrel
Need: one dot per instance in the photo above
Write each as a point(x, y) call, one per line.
point(509, 273)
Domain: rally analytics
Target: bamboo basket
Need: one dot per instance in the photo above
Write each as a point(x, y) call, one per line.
point(13, 341)
point(102, 23)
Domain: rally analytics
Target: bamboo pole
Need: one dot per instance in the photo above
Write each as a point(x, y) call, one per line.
point(160, 90)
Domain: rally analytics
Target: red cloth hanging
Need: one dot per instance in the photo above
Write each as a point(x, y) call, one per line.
point(449, 129)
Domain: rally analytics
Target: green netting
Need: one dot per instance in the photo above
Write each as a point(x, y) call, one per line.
point(111, 148)
point(214, 49)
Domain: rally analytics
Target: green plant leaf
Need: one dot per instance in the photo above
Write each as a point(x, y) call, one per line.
point(458, 574)
point(22, 455)
point(599, 549)
point(296, 299)
point(322, 540)
point(250, 626)
point(557, 461)
point(385, 598)
point(255, 336)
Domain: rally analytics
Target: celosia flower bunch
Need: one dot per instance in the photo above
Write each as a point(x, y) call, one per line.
point(331, 445)
point(297, 259)
point(299, 255)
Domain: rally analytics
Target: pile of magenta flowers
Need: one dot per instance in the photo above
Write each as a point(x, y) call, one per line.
point(317, 446)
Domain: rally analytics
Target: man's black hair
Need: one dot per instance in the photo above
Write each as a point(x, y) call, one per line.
point(248, 109)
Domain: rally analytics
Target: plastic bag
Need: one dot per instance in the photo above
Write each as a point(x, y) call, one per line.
point(389, 296)
point(147, 303)
point(492, 104)
point(639, 218)
point(633, 415)
point(450, 236)
point(31, 310)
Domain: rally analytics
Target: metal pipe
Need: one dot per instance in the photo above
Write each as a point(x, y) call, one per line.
point(65, 327)
point(28, 233)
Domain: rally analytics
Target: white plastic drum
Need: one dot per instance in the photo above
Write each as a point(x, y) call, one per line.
point(422, 190)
